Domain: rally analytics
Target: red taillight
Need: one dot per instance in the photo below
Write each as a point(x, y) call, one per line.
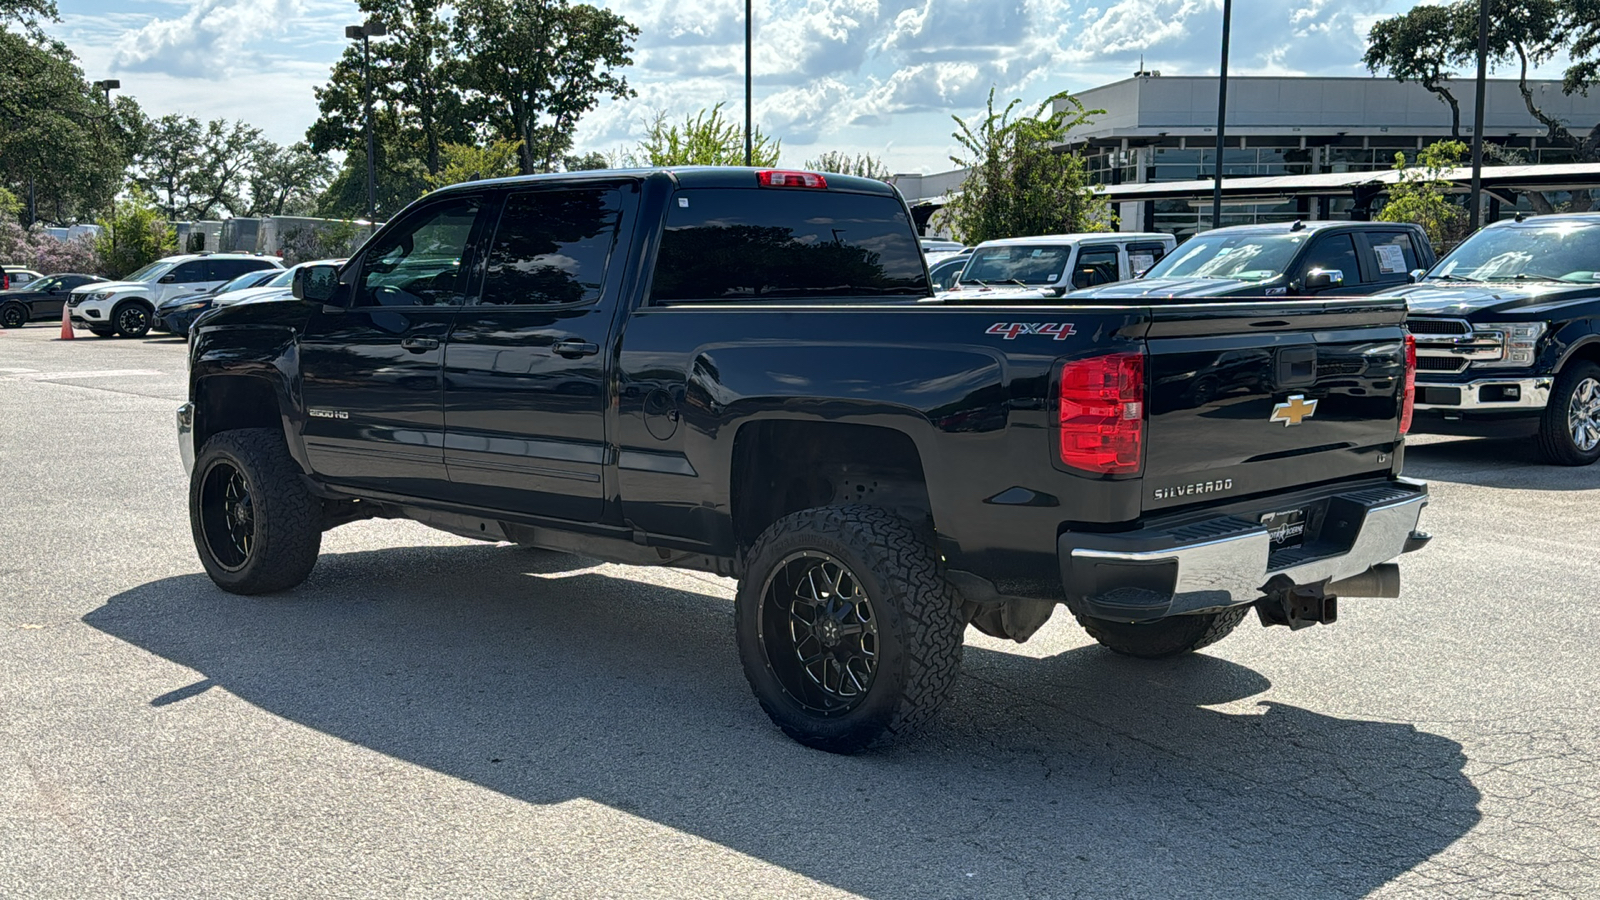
point(1408, 401)
point(782, 178)
point(1102, 413)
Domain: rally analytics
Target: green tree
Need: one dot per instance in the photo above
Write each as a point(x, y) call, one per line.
point(1423, 194)
point(1422, 46)
point(707, 138)
point(585, 162)
point(415, 75)
point(286, 181)
point(532, 68)
point(467, 162)
point(197, 171)
point(864, 164)
point(1019, 181)
point(135, 236)
point(10, 206)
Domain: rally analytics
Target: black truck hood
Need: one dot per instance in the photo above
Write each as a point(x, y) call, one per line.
point(1456, 298)
point(1188, 288)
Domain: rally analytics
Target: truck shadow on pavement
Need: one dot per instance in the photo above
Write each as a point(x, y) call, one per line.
point(1084, 774)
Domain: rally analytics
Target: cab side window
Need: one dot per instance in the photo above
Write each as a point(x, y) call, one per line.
point(1142, 256)
point(1393, 255)
point(552, 248)
point(1096, 265)
point(421, 263)
point(1333, 252)
point(189, 272)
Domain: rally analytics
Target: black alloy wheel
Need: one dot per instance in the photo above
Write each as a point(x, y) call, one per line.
point(132, 320)
point(13, 315)
point(818, 633)
point(227, 515)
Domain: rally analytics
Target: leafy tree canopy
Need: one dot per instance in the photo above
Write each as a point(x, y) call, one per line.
point(707, 138)
point(863, 164)
point(1423, 194)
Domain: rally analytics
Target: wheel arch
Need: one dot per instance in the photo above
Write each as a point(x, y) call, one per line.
point(233, 401)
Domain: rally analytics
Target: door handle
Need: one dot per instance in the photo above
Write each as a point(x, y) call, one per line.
point(419, 344)
point(572, 348)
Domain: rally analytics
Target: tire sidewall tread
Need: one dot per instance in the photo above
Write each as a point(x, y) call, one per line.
point(920, 628)
point(288, 519)
point(1555, 438)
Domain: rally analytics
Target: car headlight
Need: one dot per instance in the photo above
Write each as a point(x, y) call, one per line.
point(98, 295)
point(186, 307)
point(1521, 341)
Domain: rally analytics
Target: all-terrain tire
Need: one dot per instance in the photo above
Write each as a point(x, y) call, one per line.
point(131, 319)
point(915, 621)
point(13, 315)
point(1569, 428)
point(265, 540)
point(1167, 637)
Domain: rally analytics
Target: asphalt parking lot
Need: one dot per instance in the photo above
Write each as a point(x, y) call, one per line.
point(432, 717)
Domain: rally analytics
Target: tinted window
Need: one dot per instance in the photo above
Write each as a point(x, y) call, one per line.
point(945, 271)
point(1020, 263)
point(420, 262)
point(552, 247)
point(1334, 251)
point(1096, 265)
point(1393, 255)
point(190, 272)
point(769, 244)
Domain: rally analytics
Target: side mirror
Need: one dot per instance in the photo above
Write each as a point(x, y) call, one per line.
point(318, 284)
point(1416, 275)
point(168, 279)
point(1320, 279)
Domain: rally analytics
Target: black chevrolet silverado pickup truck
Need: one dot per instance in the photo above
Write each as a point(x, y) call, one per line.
point(743, 371)
point(1507, 328)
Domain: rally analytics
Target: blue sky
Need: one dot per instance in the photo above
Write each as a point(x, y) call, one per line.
point(876, 76)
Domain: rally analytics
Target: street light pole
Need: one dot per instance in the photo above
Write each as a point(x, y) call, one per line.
point(366, 32)
point(107, 86)
point(1222, 114)
point(749, 147)
point(1474, 214)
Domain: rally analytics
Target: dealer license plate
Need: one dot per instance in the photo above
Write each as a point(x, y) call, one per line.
point(1287, 529)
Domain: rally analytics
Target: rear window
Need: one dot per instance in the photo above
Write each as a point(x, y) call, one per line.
point(775, 244)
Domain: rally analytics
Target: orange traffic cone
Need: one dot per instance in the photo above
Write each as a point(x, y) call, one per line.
point(66, 323)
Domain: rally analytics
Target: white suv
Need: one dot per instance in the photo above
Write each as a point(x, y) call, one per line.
point(126, 307)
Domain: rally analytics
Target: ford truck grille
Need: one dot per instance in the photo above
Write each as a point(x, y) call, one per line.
point(1450, 345)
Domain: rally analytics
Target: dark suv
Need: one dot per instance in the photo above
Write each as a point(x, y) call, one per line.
point(1281, 259)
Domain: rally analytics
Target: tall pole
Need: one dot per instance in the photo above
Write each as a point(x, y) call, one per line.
point(1222, 114)
point(109, 85)
point(372, 162)
point(749, 146)
point(1475, 213)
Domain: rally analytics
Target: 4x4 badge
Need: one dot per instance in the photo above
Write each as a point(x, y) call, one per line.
point(1294, 410)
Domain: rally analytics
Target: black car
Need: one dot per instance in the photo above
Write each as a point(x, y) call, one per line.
point(944, 272)
point(176, 315)
point(1323, 259)
point(41, 299)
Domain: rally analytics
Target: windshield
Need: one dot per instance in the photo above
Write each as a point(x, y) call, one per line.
point(1017, 264)
point(1248, 257)
point(239, 283)
point(282, 279)
point(44, 284)
point(148, 273)
point(1568, 251)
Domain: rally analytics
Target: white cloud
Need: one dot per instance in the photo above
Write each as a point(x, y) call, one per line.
point(213, 37)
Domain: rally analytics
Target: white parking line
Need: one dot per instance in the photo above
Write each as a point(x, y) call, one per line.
point(25, 375)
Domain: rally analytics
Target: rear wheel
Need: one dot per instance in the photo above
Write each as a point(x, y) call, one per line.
point(1166, 637)
point(1569, 430)
point(13, 315)
point(131, 320)
point(255, 525)
point(847, 630)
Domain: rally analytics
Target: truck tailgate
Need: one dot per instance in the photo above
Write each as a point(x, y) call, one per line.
point(1248, 398)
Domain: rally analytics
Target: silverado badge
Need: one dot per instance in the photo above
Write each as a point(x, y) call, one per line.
point(1294, 410)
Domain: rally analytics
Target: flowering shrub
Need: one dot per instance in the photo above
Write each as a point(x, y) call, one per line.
point(39, 251)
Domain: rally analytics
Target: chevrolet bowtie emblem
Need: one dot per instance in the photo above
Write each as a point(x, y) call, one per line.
point(1294, 410)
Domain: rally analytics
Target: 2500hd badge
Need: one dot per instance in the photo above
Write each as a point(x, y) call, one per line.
point(1190, 490)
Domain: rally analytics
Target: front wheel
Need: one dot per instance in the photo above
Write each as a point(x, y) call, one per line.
point(1165, 637)
point(1569, 429)
point(13, 315)
point(132, 320)
point(257, 528)
point(848, 632)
